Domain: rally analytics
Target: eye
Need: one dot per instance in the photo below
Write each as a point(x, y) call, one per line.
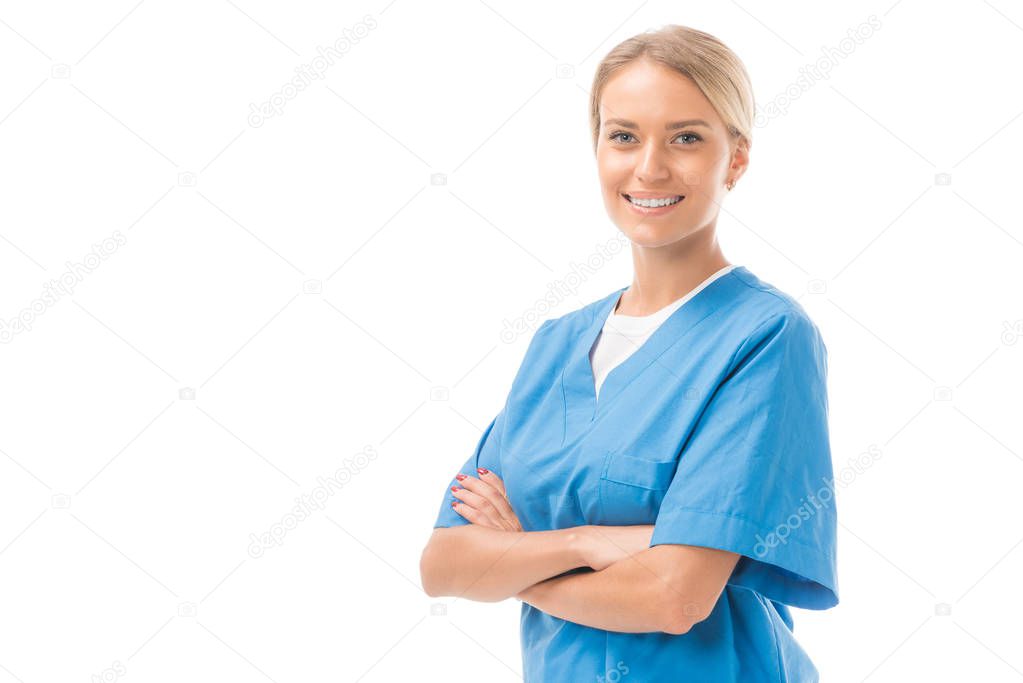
point(690, 138)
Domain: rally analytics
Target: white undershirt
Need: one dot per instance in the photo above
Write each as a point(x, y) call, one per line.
point(621, 335)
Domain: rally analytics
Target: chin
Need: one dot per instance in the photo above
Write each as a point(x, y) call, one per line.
point(654, 237)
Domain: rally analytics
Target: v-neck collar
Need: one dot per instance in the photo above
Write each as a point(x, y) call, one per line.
point(581, 400)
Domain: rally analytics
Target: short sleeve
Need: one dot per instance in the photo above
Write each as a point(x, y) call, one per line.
point(755, 475)
point(486, 454)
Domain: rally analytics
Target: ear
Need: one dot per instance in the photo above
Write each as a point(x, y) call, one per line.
point(740, 159)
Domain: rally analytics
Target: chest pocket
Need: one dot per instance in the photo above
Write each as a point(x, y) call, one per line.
point(631, 488)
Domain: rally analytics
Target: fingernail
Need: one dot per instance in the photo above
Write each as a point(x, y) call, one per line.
point(454, 488)
point(482, 470)
point(454, 503)
point(460, 477)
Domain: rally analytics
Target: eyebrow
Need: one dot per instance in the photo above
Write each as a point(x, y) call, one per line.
point(671, 126)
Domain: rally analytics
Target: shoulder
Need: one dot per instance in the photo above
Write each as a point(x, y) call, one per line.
point(768, 311)
point(772, 321)
point(575, 321)
point(786, 334)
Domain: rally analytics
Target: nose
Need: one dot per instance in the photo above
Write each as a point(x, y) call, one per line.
point(651, 166)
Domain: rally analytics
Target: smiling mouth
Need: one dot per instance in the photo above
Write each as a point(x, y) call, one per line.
point(654, 203)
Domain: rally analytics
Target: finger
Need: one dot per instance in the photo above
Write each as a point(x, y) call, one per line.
point(473, 515)
point(482, 505)
point(493, 497)
point(483, 488)
point(503, 504)
point(492, 479)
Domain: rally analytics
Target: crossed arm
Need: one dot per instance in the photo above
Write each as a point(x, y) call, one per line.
point(633, 588)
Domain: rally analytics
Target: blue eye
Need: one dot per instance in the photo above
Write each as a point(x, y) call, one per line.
point(694, 138)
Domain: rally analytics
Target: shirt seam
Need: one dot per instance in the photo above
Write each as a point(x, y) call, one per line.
point(758, 525)
point(766, 290)
point(774, 637)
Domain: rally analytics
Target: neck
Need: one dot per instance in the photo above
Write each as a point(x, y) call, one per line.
point(666, 274)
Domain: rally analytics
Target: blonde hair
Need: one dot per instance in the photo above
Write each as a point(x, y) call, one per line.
point(717, 71)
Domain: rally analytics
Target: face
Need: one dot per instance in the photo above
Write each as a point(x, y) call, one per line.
point(643, 154)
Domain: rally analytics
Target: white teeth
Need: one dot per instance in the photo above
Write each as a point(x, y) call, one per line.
point(654, 203)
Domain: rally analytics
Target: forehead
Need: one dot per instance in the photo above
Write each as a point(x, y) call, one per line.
point(650, 93)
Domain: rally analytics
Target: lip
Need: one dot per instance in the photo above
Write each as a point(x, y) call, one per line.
point(653, 195)
point(643, 211)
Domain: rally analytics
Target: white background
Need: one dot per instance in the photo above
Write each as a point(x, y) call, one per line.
point(127, 510)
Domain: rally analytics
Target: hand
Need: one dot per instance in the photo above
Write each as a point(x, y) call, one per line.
point(484, 501)
point(602, 546)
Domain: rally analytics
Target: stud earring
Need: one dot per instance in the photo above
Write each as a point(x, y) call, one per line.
point(730, 184)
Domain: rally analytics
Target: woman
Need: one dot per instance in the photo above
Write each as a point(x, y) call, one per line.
point(657, 489)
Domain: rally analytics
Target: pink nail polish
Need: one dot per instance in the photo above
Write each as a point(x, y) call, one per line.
point(454, 488)
point(460, 477)
point(482, 470)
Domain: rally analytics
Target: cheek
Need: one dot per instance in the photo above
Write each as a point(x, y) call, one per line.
point(704, 204)
point(612, 177)
point(609, 170)
point(712, 163)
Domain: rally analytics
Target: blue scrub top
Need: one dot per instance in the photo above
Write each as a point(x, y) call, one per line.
point(715, 431)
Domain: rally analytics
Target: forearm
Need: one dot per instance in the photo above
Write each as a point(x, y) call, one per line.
point(484, 564)
point(627, 596)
